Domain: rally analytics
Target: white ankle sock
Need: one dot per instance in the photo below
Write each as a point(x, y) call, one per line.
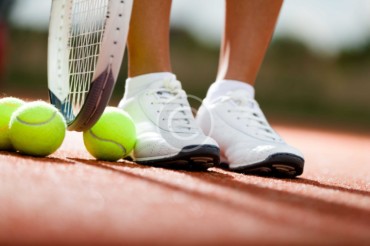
point(138, 83)
point(222, 87)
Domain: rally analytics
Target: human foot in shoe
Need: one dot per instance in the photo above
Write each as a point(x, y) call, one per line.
point(247, 142)
point(167, 134)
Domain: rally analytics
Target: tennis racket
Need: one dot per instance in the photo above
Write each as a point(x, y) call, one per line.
point(87, 39)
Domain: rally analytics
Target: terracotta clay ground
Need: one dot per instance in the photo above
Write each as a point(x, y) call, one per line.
point(69, 197)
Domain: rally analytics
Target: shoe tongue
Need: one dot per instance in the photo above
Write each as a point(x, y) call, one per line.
point(239, 97)
point(169, 84)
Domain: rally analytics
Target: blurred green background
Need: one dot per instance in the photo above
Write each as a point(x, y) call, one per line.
point(296, 84)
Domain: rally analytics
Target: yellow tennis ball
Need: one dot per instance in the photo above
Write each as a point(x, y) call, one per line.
point(112, 137)
point(7, 106)
point(37, 129)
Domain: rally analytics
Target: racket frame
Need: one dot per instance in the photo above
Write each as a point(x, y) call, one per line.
point(108, 64)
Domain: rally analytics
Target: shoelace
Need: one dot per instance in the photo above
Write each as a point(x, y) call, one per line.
point(174, 107)
point(247, 110)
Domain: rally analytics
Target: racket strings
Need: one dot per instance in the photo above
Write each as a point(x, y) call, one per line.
point(86, 34)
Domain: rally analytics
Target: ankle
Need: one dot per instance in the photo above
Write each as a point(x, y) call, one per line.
point(221, 87)
point(136, 84)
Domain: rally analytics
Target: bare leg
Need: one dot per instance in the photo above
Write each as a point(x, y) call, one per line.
point(248, 29)
point(250, 145)
point(148, 39)
point(166, 131)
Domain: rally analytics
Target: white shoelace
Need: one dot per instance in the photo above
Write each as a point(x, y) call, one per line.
point(247, 110)
point(174, 108)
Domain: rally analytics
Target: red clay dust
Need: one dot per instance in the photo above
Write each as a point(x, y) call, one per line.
point(69, 197)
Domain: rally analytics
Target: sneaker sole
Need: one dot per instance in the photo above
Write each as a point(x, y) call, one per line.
point(278, 165)
point(191, 157)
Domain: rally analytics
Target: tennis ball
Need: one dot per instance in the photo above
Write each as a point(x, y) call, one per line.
point(7, 106)
point(112, 137)
point(37, 129)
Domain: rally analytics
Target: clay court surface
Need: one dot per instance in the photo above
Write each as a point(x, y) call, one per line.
point(71, 198)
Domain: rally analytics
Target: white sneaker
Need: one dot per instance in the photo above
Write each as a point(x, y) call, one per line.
point(167, 134)
point(248, 143)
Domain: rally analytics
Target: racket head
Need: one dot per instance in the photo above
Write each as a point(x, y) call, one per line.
point(87, 39)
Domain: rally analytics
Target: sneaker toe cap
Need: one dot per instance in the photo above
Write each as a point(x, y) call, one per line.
point(248, 154)
point(154, 145)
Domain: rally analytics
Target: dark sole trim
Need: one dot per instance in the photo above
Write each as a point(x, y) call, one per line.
point(282, 165)
point(193, 157)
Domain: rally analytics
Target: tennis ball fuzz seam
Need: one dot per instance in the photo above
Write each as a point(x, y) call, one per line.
point(124, 151)
point(8, 106)
point(113, 136)
point(37, 123)
point(37, 129)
